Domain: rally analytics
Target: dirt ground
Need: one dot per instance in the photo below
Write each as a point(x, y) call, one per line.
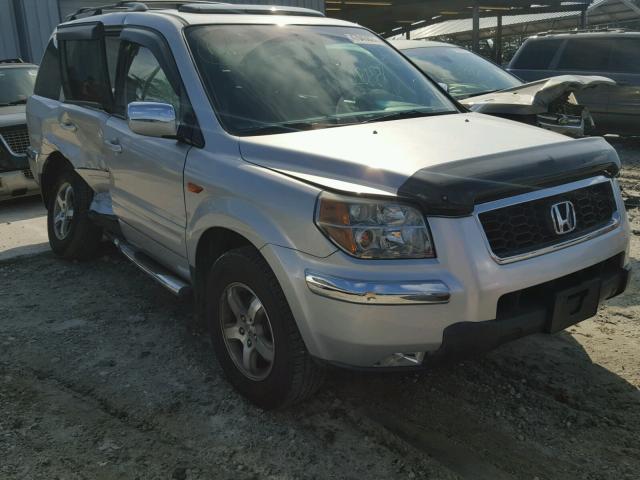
point(100, 378)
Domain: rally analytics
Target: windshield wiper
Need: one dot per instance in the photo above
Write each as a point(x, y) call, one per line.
point(15, 102)
point(479, 94)
point(405, 114)
point(273, 128)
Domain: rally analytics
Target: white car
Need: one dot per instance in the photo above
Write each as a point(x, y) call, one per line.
point(323, 200)
point(484, 87)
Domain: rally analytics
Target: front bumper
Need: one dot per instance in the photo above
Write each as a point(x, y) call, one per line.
point(538, 309)
point(352, 323)
point(17, 183)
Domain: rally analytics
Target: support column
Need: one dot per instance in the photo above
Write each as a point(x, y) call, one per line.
point(475, 42)
point(583, 19)
point(498, 45)
point(407, 32)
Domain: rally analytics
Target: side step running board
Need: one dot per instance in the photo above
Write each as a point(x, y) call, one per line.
point(174, 284)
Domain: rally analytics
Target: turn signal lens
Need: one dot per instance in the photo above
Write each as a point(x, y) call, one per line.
point(374, 229)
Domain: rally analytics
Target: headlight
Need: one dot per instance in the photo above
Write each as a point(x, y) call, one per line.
point(374, 229)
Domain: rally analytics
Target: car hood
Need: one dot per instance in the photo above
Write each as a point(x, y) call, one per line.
point(534, 97)
point(447, 164)
point(378, 158)
point(13, 115)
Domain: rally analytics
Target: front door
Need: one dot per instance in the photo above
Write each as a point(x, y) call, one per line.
point(147, 172)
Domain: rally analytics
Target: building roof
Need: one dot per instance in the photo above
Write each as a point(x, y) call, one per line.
point(385, 16)
point(599, 12)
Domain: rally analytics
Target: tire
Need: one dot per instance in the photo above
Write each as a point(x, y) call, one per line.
point(78, 238)
point(292, 375)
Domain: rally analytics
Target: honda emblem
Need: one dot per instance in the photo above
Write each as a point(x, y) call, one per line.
point(563, 215)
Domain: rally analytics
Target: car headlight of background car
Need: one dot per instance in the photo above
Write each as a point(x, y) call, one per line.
point(374, 229)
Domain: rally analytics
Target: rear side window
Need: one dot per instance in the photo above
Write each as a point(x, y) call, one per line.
point(537, 54)
point(85, 69)
point(625, 55)
point(112, 46)
point(48, 83)
point(586, 54)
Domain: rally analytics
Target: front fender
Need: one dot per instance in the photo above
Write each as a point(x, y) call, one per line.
point(263, 206)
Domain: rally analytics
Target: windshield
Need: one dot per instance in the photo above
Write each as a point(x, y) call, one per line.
point(267, 79)
point(465, 73)
point(16, 84)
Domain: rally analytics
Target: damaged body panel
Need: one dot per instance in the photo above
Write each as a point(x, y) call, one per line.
point(484, 87)
point(548, 103)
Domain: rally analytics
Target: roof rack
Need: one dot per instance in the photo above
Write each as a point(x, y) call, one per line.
point(12, 60)
point(129, 6)
point(248, 9)
point(586, 30)
point(192, 6)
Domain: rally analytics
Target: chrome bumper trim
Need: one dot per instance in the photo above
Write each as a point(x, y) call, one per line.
point(378, 293)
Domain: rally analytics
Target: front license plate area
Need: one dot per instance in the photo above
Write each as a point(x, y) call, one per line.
point(574, 305)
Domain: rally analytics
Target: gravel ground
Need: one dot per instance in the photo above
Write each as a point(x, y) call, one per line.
point(101, 378)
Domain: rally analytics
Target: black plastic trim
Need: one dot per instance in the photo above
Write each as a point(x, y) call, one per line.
point(81, 31)
point(453, 189)
point(467, 339)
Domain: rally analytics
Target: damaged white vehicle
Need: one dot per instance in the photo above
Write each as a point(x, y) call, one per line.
point(484, 87)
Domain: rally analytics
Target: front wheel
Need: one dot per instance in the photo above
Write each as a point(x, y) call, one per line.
point(72, 235)
point(254, 334)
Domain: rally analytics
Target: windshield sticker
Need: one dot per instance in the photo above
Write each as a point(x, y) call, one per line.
point(364, 39)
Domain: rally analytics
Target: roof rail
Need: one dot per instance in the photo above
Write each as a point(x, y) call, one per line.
point(586, 30)
point(12, 60)
point(193, 6)
point(213, 7)
point(128, 6)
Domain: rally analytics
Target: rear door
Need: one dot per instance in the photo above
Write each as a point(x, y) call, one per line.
point(588, 56)
point(535, 57)
point(624, 101)
point(87, 98)
point(147, 172)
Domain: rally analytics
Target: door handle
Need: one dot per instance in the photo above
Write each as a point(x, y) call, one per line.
point(69, 126)
point(113, 145)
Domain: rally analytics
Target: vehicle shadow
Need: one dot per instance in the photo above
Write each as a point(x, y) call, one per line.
point(21, 209)
point(24, 250)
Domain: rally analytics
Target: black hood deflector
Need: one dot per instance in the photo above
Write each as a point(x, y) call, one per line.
point(453, 189)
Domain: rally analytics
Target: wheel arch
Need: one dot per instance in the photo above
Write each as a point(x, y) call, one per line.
point(212, 244)
point(56, 163)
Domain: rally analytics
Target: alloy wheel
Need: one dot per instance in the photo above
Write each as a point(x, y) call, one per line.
point(247, 331)
point(63, 211)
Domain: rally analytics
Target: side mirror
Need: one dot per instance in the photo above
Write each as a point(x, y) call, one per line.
point(444, 86)
point(152, 119)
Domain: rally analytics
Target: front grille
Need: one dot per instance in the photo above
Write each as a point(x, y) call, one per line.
point(28, 173)
point(525, 227)
point(16, 138)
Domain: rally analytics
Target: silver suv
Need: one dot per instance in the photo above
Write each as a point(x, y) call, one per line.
point(320, 197)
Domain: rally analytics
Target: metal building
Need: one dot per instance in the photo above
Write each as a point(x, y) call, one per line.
point(25, 25)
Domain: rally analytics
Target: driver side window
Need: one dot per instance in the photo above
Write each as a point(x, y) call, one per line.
point(145, 81)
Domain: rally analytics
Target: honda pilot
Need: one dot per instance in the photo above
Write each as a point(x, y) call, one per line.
point(320, 198)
